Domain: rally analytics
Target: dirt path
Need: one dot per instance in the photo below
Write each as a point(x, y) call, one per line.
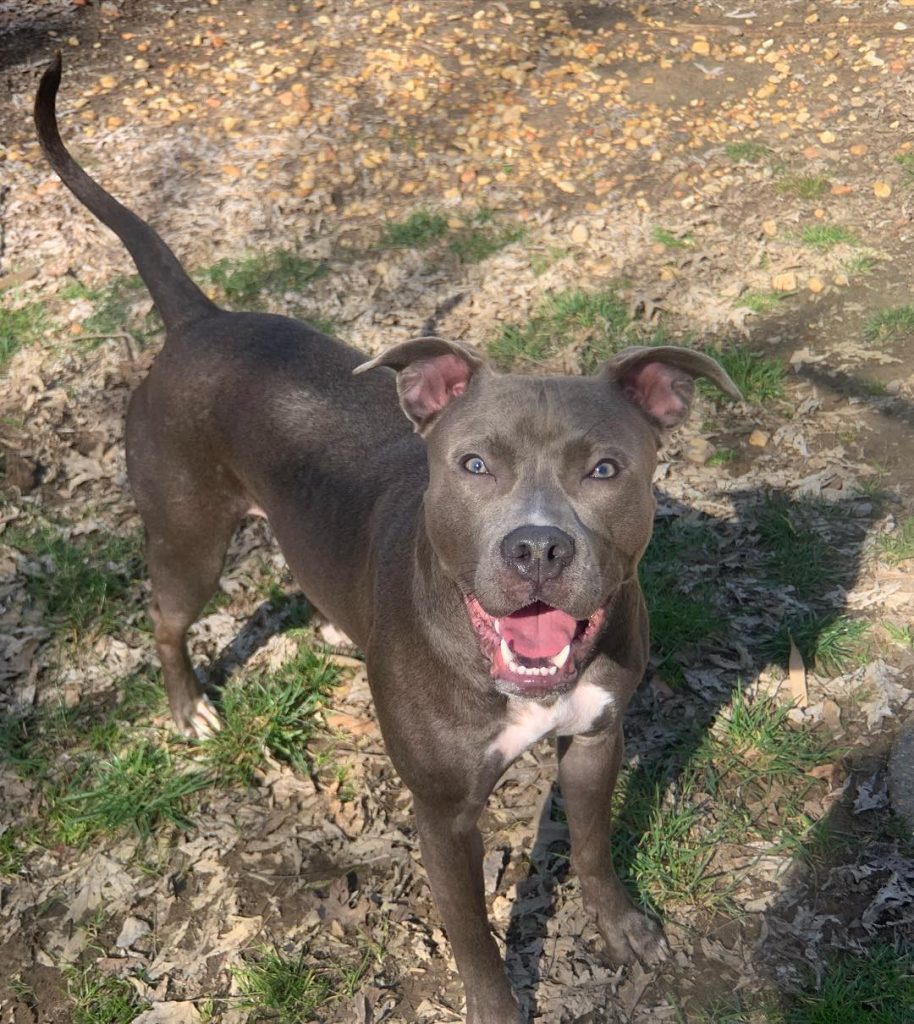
point(550, 180)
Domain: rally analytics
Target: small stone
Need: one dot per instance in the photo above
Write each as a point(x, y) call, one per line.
point(702, 47)
point(579, 234)
point(565, 185)
point(815, 284)
point(698, 450)
point(827, 137)
point(132, 930)
point(786, 282)
point(882, 190)
point(841, 280)
point(141, 64)
point(770, 227)
point(796, 717)
point(758, 438)
point(831, 716)
point(107, 81)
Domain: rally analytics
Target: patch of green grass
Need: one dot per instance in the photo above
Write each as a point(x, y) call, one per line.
point(758, 378)
point(760, 302)
point(831, 644)
point(794, 550)
point(903, 635)
point(479, 240)
point(840, 644)
point(47, 741)
point(20, 327)
point(745, 779)
point(670, 849)
point(668, 240)
point(746, 152)
point(540, 262)
point(890, 323)
point(272, 715)
point(827, 236)
point(897, 546)
point(906, 162)
point(12, 851)
point(274, 272)
point(756, 731)
point(419, 229)
point(723, 456)
point(101, 999)
point(138, 788)
point(593, 322)
point(83, 582)
point(870, 388)
point(278, 988)
point(113, 308)
point(876, 988)
point(678, 620)
point(803, 186)
point(861, 264)
point(738, 1009)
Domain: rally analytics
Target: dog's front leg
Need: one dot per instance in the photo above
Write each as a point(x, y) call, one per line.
point(452, 853)
point(588, 767)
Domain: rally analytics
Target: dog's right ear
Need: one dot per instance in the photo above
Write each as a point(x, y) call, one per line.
point(431, 373)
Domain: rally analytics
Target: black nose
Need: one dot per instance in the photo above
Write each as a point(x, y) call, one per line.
point(538, 552)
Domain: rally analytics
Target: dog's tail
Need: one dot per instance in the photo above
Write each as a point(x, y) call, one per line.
point(177, 298)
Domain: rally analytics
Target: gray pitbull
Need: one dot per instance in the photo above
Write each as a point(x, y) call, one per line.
point(482, 550)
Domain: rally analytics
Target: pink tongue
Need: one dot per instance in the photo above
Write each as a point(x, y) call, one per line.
point(538, 631)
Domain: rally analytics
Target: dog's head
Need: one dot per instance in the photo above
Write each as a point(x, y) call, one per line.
point(539, 503)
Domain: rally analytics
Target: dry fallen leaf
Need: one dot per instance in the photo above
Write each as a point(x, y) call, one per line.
point(797, 676)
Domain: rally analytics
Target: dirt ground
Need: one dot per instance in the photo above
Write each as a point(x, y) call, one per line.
point(740, 173)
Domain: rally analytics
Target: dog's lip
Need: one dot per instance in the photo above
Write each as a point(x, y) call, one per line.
point(536, 677)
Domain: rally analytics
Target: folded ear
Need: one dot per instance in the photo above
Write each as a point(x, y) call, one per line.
point(431, 373)
point(661, 380)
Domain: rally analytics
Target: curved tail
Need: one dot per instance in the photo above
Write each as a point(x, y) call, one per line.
point(177, 298)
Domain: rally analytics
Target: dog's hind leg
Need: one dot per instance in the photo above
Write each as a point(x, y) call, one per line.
point(185, 564)
point(190, 508)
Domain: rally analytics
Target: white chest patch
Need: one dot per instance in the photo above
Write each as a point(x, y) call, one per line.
point(571, 714)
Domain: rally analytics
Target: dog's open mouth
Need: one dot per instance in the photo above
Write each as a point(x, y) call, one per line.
point(536, 649)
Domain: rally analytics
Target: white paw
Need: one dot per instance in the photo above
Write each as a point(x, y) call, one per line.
point(332, 636)
point(204, 722)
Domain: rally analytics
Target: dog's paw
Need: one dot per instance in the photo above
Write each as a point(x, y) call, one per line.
point(203, 720)
point(632, 936)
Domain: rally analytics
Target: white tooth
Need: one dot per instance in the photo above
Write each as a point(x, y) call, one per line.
point(506, 653)
point(497, 626)
point(559, 659)
point(551, 671)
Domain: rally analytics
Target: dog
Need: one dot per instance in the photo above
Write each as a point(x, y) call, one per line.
point(482, 549)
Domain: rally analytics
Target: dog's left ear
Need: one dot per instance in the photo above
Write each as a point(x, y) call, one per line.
point(661, 380)
point(431, 372)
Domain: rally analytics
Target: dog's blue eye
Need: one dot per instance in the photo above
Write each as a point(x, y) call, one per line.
point(474, 464)
point(604, 470)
